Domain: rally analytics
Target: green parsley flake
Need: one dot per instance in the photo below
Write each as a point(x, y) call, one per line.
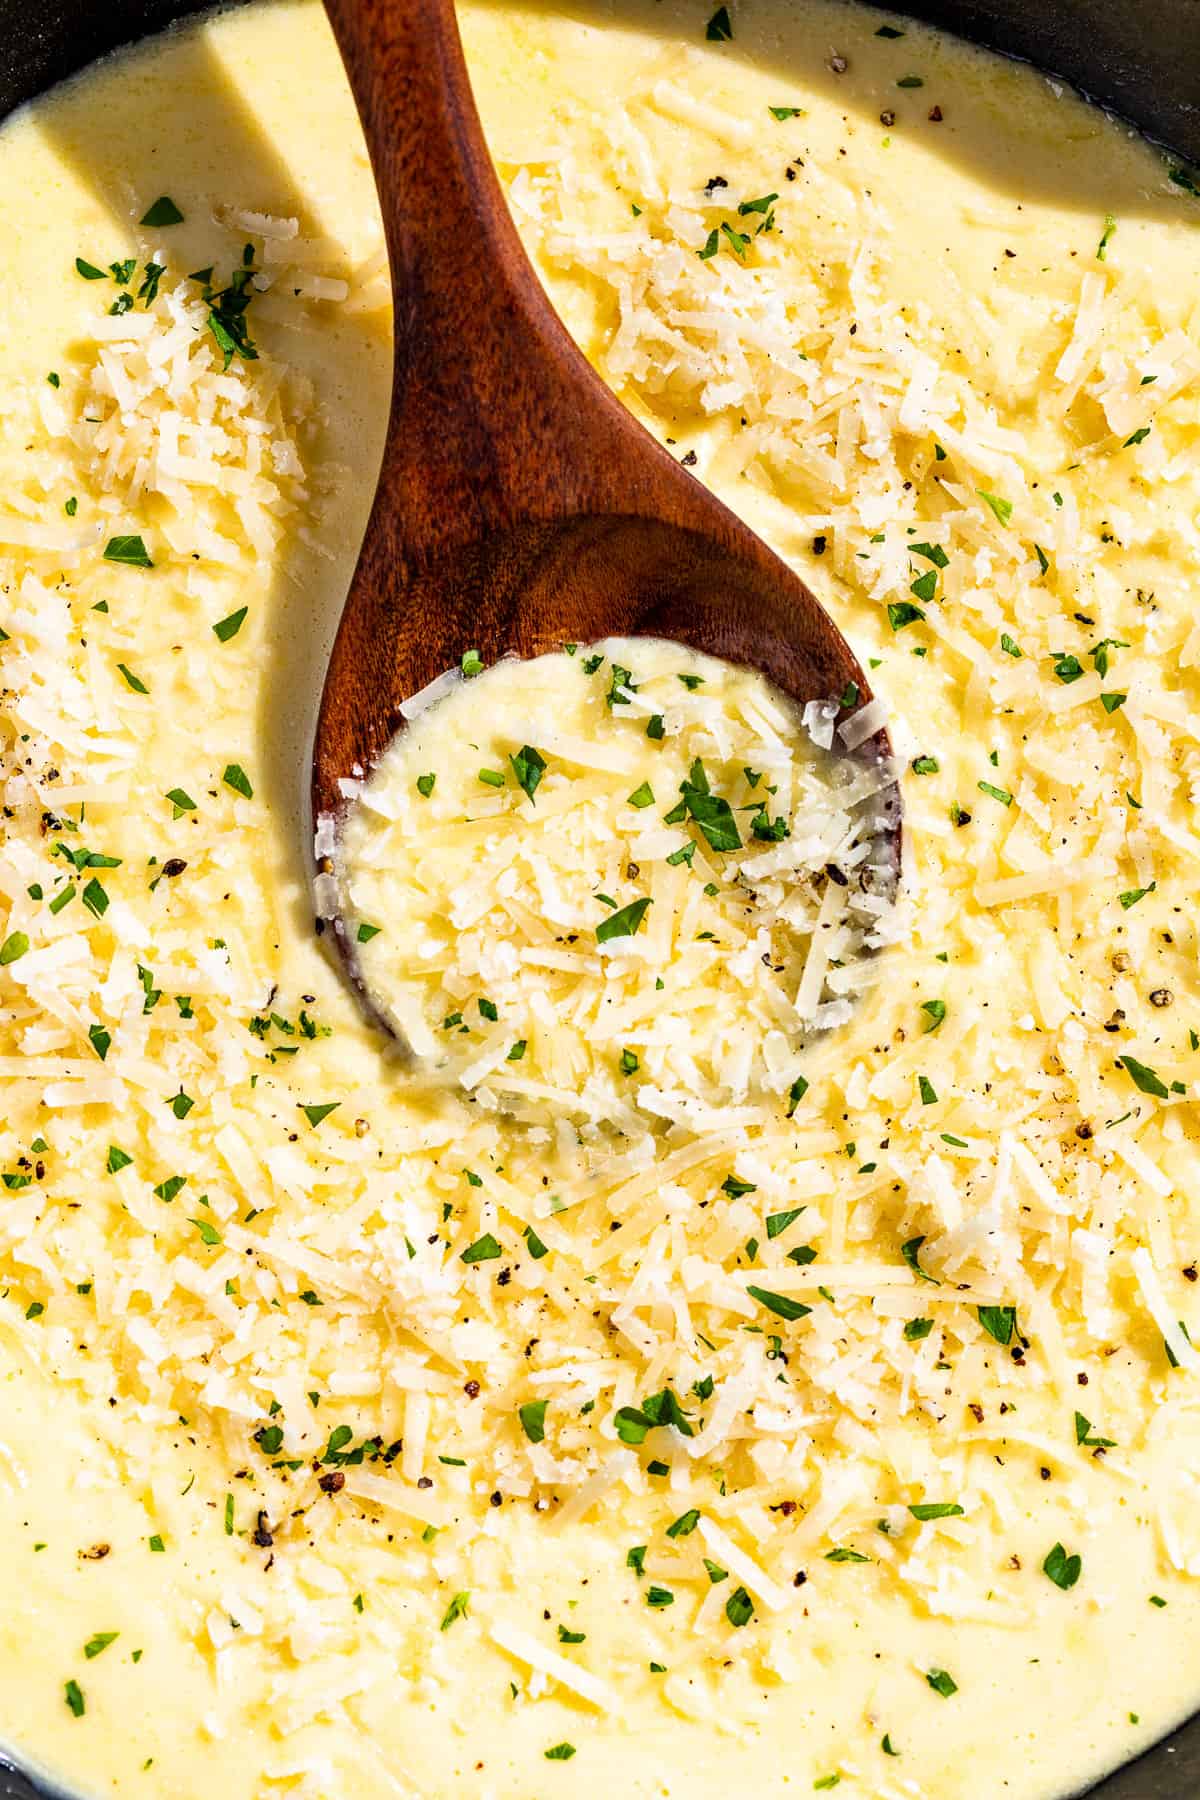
point(1143, 1077)
point(1001, 508)
point(911, 1251)
point(902, 613)
point(181, 802)
point(624, 922)
point(319, 1111)
point(235, 777)
point(457, 1609)
point(779, 1304)
point(685, 1524)
point(129, 550)
point(1063, 1570)
point(529, 765)
point(225, 629)
point(533, 1420)
point(1000, 1322)
point(739, 1608)
point(484, 1249)
point(534, 1244)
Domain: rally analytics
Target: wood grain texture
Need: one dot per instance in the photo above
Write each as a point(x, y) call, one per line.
point(520, 506)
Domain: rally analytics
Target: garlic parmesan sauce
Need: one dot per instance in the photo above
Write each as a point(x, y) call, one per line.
point(782, 1375)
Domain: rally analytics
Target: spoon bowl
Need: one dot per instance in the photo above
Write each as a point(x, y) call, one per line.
point(520, 506)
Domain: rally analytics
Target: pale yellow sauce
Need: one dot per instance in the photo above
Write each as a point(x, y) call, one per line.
point(258, 1681)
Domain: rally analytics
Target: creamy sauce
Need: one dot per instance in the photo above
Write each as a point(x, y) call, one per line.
point(145, 1369)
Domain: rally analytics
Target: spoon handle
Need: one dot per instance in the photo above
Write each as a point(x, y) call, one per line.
point(486, 424)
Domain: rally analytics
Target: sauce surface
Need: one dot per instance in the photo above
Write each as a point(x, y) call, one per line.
point(929, 324)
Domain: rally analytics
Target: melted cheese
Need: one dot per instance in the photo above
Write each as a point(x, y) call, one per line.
point(912, 369)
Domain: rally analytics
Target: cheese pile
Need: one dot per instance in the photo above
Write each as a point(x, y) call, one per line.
point(638, 891)
point(812, 1322)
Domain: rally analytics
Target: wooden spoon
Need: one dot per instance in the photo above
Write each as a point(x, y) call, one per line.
point(520, 506)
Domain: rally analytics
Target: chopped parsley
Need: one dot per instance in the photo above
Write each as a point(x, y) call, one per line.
point(235, 777)
point(1063, 1570)
point(999, 1322)
point(739, 1608)
point(1143, 1077)
point(911, 1251)
point(533, 1420)
point(321, 1110)
point(624, 922)
point(457, 1609)
point(779, 1304)
point(163, 212)
point(130, 550)
point(528, 765)
point(685, 1524)
point(484, 1249)
point(224, 629)
point(1000, 507)
point(902, 613)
